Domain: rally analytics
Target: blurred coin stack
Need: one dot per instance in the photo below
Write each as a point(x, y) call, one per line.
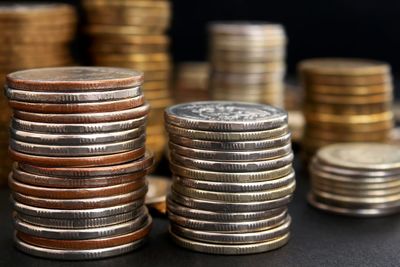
point(247, 62)
point(78, 139)
point(132, 34)
point(191, 82)
point(356, 179)
point(232, 177)
point(346, 100)
point(32, 35)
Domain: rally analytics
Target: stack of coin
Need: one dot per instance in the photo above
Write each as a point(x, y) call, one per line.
point(32, 35)
point(132, 34)
point(247, 62)
point(78, 139)
point(346, 100)
point(356, 179)
point(232, 176)
point(191, 82)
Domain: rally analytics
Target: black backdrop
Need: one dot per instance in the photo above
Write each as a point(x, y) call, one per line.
point(350, 28)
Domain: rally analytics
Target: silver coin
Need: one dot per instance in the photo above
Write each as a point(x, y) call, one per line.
point(78, 150)
point(249, 237)
point(71, 97)
point(230, 177)
point(220, 216)
point(220, 206)
point(58, 128)
point(230, 249)
point(76, 139)
point(77, 254)
point(235, 146)
point(236, 187)
point(231, 227)
point(255, 155)
point(81, 214)
point(79, 234)
point(119, 115)
point(81, 203)
point(227, 136)
point(82, 223)
point(233, 166)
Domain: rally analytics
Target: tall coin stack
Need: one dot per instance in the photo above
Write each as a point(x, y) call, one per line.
point(247, 62)
point(232, 177)
point(191, 82)
point(356, 179)
point(132, 34)
point(31, 35)
point(346, 100)
point(78, 139)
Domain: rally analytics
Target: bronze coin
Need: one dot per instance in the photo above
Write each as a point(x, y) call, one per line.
point(88, 243)
point(78, 161)
point(105, 106)
point(74, 79)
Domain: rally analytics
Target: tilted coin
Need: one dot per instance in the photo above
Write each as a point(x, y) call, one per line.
point(225, 116)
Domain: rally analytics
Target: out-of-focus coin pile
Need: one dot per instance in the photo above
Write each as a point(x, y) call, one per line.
point(191, 82)
point(31, 35)
point(232, 176)
point(247, 62)
point(132, 34)
point(346, 100)
point(78, 139)
point(356, 179)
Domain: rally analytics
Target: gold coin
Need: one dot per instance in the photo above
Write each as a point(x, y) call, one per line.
point(347, 137)
point(151, 76)
point(127, 4)
point(350, 90)
point(345, 109)
point(139, 58)
point(350, 100)
point(141, 66)
point(98, 29)
point(156, 94)
point(336, 80)
point(134, 39)
point(34, 12)
point(248, 67)
point(155, 85)
point(351, 127)
point(120, 49)
point(155, 130)
point(129, 16)
point(357, 119)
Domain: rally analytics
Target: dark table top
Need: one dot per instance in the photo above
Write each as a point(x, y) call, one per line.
point(317, 239)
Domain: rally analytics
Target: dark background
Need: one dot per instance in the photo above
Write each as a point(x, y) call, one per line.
point(347, 28)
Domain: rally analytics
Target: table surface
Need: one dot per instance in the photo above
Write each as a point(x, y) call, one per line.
point(317, 239)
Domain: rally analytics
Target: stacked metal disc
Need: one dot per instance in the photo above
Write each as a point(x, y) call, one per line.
point(356, 179)
point(191, 82)
point(232, 176)
point(31, 35)
point(132, 34)
point(78, 183)
point(346, 100)
point(247, 62)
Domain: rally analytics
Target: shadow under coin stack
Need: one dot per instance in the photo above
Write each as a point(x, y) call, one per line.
point(31, 35)
point(132, 34)
point(233, 177)
point(247, 62)
point(78, 139)
point(346, 100)
point(191, 82)
point(356, 179)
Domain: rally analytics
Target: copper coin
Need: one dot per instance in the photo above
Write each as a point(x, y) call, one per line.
point(78, 161)
point(82, 203)
point(120, 115)
point(87, 243)
point(78, 172)
point(61, 182)
point(62, 193)
point(74, 79)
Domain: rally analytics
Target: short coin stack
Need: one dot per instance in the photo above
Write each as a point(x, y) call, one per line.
point(78, 139)
point(132, 34)
point(233, 176)
point(247, 62)
point(32, 35)
point(191, 82)
point(356, 179)
point(346, 100)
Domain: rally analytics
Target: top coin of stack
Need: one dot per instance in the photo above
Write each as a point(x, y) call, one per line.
point(233, 176)
point(346, 100)
point(131, 34)
point(32, 35)
point(78, 137)
point(247, 62)
point(191, 82)
point(356, 179)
